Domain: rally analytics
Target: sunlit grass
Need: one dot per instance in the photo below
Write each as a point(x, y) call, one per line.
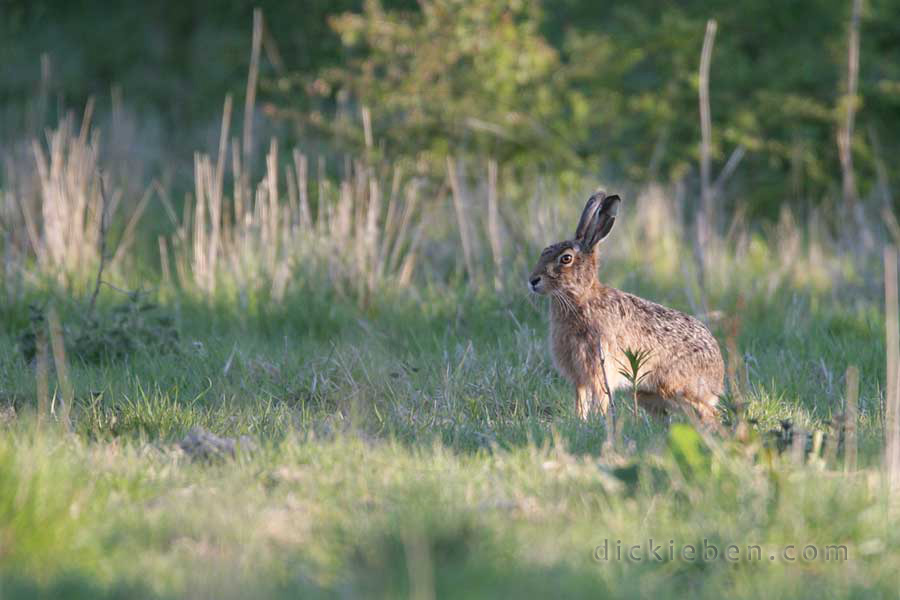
point(409, 433)
point(343, 514)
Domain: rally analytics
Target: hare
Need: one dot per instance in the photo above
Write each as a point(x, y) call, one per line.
point(684, 366)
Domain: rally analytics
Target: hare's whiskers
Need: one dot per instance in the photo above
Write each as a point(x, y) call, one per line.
point(564, 301)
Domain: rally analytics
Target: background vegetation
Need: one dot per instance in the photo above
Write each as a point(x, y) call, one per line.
point(607, 89)
point(263, 323)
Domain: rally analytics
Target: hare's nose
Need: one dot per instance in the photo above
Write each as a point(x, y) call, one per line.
point(535, 280)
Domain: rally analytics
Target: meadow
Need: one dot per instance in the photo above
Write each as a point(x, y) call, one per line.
point(315, 374)
point(402, 431)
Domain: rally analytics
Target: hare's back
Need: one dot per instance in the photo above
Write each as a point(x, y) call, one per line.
point(684, 353)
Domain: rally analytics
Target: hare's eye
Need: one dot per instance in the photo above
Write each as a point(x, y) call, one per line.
point(565, 259)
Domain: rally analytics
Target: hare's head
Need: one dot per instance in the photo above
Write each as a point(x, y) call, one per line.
point(572, 265)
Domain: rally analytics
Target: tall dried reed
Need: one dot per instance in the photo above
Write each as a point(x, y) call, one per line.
point(53, 209)
point(361, 234)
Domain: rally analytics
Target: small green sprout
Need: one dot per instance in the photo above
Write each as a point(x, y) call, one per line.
point(634, 371)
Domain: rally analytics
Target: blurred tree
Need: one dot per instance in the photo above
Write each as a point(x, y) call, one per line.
point(607, 88)
point(177, 59)
point(612, 87)
point(456, 76)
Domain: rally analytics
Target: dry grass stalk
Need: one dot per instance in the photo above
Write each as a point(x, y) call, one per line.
point(706, 190)
point(734, 367)
point(845, 133)
point(240, 188)
point(128, 235)
point(200, 255)
point(610, 414)
point(323, 189)
point(706, 219)
point(390, 216)
point(252, 79)
point(890, 222)
point(832, 439)
point(164, 262)
point(353, 238)
point(850, 419)
point(41, 376)
point(223, 143)
point(58, 205)
point(462, 218)
point(731, 165)
point(401, 232)
point(102, 247)
point(892, 334)
point(62, 371)
point(798, 446)
point(493, 224)
point(9, 263)
point(815, 451)
point(367, 128)
point(67, 234)
point(301, 168)
point(273, 217)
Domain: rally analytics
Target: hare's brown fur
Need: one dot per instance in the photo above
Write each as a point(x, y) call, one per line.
point(685, 367)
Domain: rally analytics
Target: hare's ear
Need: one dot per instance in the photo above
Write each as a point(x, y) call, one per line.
point(587, 215)
point(602, 222)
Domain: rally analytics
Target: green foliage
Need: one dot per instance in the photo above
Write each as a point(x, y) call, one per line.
point(132, 326)
point(128, 327)
point(574, 85)
point(613, 88)
point(689, 451)
point(486, 84)
point(174, 59)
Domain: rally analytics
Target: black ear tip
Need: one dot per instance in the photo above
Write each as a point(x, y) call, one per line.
point(611, 204)
point(602, 197)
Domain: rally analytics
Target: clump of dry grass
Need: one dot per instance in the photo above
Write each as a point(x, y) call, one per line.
point(362, 233)
point(57, 198)
point(56, 211)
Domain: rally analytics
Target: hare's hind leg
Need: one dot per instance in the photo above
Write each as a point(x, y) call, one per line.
point(705, 409)
point(701, 409)
point(601, 404)
point(582, 401)
point(655, 405)
point(600, 398)
point(590, 399)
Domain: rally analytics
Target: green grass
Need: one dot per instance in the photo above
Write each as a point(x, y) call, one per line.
point(424, 445)
point(405, 434)
point(346, 515)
